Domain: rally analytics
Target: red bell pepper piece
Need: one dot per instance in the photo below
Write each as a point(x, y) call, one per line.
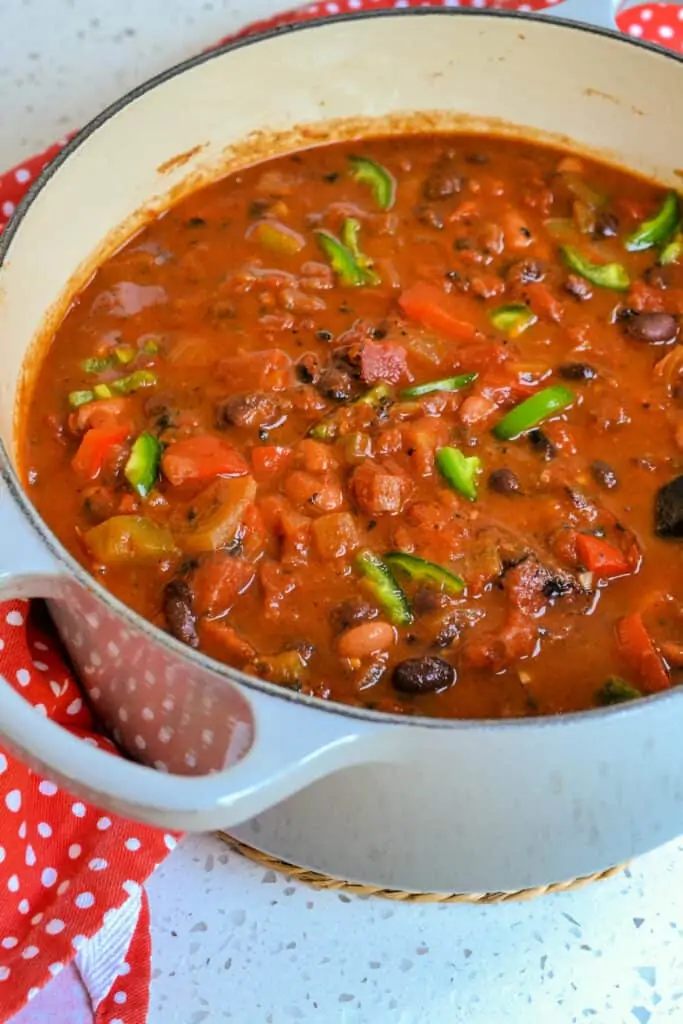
point(431, 307)
point(95, 448)
point(269, 460)
point(201, 458)
point(640, 655)
point(600, 557)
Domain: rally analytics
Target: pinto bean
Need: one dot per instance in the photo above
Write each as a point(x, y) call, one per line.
point(504, 481)
point(423, 675)
point(365, 640)
point(177, 608)
point(652, 328)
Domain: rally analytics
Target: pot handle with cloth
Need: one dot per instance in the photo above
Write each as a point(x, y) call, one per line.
point(294, 743)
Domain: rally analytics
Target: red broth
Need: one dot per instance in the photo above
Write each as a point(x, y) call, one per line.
point(225, 429)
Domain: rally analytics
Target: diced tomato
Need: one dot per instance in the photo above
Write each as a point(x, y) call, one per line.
point(278, 582)
point(640, 655)
point(225, 642)
point(218, 582)
point(292, 528)
point(385, 362)
point(105, 414)
point(336, 535)
point(314, 493)
point(201, 458)
point(95, 448)
point(466, 210)
point(598, 556)
point(498, 649)
point(476, 409)
point(267, 370)
point(315, 456)
point(254, 533)
point(377, 491)
point(516, 231)
point(269, 461)
point(543, 302)
point(431, 307)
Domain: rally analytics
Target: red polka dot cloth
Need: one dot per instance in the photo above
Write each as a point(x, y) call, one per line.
point(71, 877)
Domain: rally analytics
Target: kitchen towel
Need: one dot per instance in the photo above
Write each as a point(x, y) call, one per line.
point(71, 876)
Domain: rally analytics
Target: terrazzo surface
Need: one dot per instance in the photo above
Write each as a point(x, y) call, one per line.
point(232, 941)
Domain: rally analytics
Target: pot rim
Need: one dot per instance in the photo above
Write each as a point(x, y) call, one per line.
point(77, 572)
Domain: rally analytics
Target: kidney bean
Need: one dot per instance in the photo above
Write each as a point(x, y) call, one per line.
point(177, 607)
point(423, 675)
point(577, 371)
point(363, 641)
point(653, 328)
point(604, 475)
point(504, 481)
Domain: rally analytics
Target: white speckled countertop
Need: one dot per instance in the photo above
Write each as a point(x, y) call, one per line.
point(232, 941)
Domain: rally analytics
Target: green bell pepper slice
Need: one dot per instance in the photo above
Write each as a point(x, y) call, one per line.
point(382, 183)
point(616, 691)
point(350, 237)
point(532, 411)
point(422, 571)
point(384, 587)
point(604, 275)
point(444, 384)
point(352, 267)
point(133, 382)
point(512, 319)
point(142, 468)
point(377, 396)
point(672, 251)
point(78, 398)
point(658, 229)
point(459, 471)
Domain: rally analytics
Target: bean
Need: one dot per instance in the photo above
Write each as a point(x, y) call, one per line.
point(428, 216)
point(604, 475)
point(542, 445)
point(363, 641)
point(335, 383)
point(351, 613)
point(577, 371)
point(443, 181)
point(308, 368)
point(177, 607)
point(251, 410)
point(653, 328)
point(504, 481)
point(606, 225)
point(423, 675)
point(578, 287)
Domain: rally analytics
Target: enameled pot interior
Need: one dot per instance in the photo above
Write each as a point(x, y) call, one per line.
point(323, 81)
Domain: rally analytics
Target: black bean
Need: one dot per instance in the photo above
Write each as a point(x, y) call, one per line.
point(308, 368)
point(604, 475)
point(177, 609)
point(578, 287)
point(504, 481)
point(606, 225)
point(524, 272)
point(542, 445)
point(577, 371)
point(558, 586)
point(423, 675)
point(255, 409)
point(669, 509)
point(653, 328)
point(428, 216)
point(336, 383)
point(351, 613)
point(443, 181)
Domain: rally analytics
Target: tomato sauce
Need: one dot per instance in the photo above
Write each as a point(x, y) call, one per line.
point(397, 423)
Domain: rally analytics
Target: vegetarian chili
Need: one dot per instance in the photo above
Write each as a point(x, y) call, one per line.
point(396, 423)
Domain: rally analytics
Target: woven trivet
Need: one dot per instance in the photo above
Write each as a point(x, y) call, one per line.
point(329, 884)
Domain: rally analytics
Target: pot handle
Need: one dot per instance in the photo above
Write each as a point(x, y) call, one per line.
point(294, 743)
point(600, 13)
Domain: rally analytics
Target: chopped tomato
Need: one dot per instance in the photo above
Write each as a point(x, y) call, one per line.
point(476, 409)
point(598, 556)
point(543, 302)
point(383, 362)
point(377, 491)
point(254, 533)
point(218, 582)
point(336, 535)
point(201, 458)
point(431, 307)
point(640, 655)
point(104, 414)
point(269, 461)
point(267, 370)
point(95, 448)
point(643, 298)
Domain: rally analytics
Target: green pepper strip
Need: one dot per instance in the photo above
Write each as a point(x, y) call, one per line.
point(98, 364)
point(382, 183)
point(422, 571)
point(78, 398)
point(459, 471)
point(142, 467)
point(376, 396)
point(385, 589)
point(672, 251)
point(512, 319)
point(444, 384)
point(616, 691)
point(349, 234)
point(658, 229)
point(133, 382)
point(351, 266)
point(604, 275)
point(533, 411)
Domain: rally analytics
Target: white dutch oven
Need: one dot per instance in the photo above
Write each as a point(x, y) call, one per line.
point(412, 803)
